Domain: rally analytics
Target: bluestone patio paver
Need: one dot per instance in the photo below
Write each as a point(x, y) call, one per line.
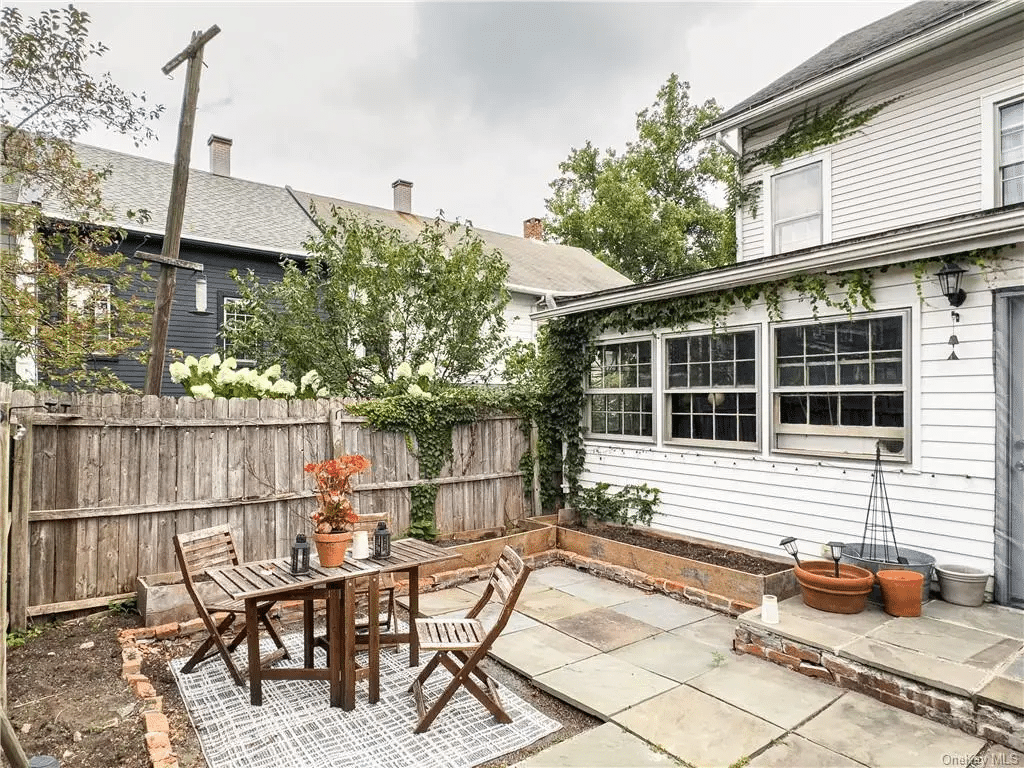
point(552, 604)
point(773, 693)
point(856, 623)
point(698, 728)
point(607, 746)
point(600, 592)
point(603, 685)
point(943, 639)
point(489, 615)
point(885, 737)
point(539, 649)
point(558, 576)
point(477, 587)
point(717, 630)
point(604, 629)
point(796, 752)
point(946, 675)
point(991, 618)
point(677, 658)
point(662, 611)
point(1004, 691)
point(802, 630)
point(443, 601)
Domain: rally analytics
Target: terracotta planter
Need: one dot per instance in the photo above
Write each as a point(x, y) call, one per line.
point(901, 592)
point(822, 590)
point(331, 547)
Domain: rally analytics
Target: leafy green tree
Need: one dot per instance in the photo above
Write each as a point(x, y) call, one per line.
point(369, 302)
point(646, 212)
point(66, 294)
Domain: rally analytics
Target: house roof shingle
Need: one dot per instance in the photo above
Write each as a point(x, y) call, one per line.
point(226, 210)
point(860, 44)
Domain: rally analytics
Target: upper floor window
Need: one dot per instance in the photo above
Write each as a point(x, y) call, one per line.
point(797, 204)
point(841, 387)
point(619, 390)
point(711, 389)
point(1011, 152)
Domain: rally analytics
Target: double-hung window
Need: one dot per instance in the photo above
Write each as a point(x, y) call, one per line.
point(841, 387)
point(233, 315)
point(90, 304)
point(711, 389)
point(620, 399)
point(797, 206)
point(1011, 152)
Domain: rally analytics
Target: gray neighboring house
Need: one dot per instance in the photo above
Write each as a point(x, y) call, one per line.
point(231, 223)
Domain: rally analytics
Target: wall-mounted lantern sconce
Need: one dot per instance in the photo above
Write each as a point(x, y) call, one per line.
point(200, 292)
point(949, 283)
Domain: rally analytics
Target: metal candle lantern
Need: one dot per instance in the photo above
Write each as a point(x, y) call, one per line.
point(300, 554)
point(381, 541)
point(837, 552)
point(790, 545)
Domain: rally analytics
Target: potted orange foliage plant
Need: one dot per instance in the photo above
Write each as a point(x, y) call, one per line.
point(334, 516)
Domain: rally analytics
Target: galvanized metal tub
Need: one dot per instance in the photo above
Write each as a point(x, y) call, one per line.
point(877, 559)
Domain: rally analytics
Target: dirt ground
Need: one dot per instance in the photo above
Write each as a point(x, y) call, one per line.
point(66, 697)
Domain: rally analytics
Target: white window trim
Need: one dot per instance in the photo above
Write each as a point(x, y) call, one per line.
point(652, 391)
point(83, 297)
point(991, 184)
point(825, 158)
point(225, 301)
point(911, 429)
point(665, 391)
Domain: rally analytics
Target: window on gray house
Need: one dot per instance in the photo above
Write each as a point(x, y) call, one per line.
point(619, 391)
point(711, 389)
point(1011, 152)
point(841, 387)
point(233, 314)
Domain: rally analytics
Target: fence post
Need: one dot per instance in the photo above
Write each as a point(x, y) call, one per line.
point(5, 530)
point(21, 501)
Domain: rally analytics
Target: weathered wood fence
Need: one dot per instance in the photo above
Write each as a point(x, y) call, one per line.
point(5, 529)
point(101, 483)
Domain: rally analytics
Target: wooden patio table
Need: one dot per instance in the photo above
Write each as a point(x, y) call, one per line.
point(256, 582)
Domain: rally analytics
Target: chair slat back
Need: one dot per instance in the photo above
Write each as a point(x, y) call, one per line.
point(506, 574)
point(206, 548)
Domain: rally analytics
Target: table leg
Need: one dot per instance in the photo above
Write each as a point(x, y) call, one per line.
point(334, 654)
point(252, 639)
point(414, 611)
point(307, 633)
point(348, 645)
point(373, 651)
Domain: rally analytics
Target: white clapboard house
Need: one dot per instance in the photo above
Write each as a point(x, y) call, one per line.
point(767, 426)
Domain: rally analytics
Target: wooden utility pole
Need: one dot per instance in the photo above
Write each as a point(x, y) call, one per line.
point(176, 208)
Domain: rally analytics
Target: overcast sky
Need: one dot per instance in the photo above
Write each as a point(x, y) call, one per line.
point(476, 103)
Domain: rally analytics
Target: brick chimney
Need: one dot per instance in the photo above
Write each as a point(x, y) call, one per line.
point(220, 155)
point(403, 195)
point(533, 229)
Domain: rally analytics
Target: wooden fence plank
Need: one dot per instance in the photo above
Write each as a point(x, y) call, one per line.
point(21, 503)
point(5, 529)
point(87, 531)
point(151, 468)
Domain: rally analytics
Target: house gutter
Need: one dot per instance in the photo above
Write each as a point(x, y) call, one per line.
point(910, 244)
point(978, 19)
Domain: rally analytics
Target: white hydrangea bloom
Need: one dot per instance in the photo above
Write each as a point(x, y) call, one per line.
point(427, 369)
point(416, 391)
point(202, 392)
point(191, 361)
point(205, 364)
point(226, 377)
point(310, 380)
point(377, 379)
point(178, 371)
point(283, 387)
point(229, 363)
point(273, 372)
point(214, 359)
point(262, 384)
point(404, 371)
point(322, 392)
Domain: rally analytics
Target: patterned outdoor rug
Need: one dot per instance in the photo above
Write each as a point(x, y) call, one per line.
point(296, 728)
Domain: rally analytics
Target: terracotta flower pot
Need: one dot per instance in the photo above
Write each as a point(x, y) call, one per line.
point(331, 547)
point(901, 592)
point(822, 590)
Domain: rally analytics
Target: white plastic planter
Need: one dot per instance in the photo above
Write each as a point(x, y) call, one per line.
point(962, 584)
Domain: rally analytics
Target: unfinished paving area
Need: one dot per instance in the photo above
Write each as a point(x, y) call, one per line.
point(664, 677)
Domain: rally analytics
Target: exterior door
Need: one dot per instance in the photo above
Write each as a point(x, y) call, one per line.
point(1009, 369)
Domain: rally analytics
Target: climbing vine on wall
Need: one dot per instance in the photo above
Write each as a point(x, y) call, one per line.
point(813, 128)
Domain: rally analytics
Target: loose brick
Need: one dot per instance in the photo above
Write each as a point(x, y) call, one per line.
point(144, 689)
point(838, 668)
point(165, 631)
point(156, 721)
point(813, 670)
point(784, 659)
point(802, 653)
point(887, 686)
point(191, 627)
point(159, 746)
point(133, 667)
point(153, 704)
point(754, 650)
point(896, 701)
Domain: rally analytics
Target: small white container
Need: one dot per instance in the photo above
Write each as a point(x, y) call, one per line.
point(770, 609)
point(360, 545)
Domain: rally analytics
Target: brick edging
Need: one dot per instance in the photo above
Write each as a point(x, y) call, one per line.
point(961, 712)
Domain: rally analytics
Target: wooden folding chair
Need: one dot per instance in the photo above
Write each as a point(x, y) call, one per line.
point(209, 548)
point(462, 643)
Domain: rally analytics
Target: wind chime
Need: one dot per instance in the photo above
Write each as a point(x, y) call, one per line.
point(953, 340)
